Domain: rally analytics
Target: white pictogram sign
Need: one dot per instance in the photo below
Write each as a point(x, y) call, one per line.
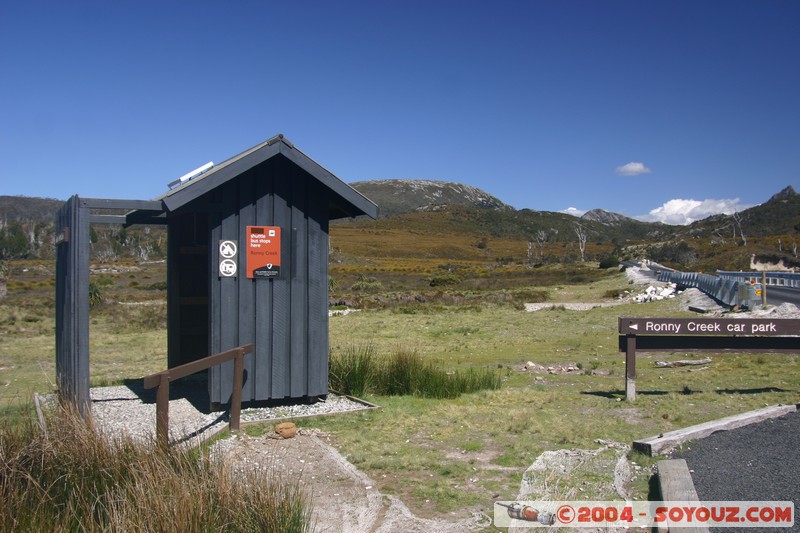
point(227, 268)
point(228, 260)
point(227, 249)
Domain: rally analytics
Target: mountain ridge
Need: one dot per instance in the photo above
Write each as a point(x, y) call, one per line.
point(398, 196)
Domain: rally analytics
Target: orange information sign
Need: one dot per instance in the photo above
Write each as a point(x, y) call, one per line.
point(263, 252)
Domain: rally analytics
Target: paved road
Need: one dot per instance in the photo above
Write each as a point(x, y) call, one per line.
point(779, 295)
point(758, 462)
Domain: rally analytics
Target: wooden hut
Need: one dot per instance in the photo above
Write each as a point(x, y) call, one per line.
point(247, 262)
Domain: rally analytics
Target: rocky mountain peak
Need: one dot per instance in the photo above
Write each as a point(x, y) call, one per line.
point(395, 196)
point(604, 217)
point(785, 194)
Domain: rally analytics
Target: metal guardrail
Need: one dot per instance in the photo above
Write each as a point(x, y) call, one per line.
point(777, 279)
point(726, 291)
point(160, 381)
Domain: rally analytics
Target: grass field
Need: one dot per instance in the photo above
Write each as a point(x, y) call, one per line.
point(429, 451)
point(454, 455)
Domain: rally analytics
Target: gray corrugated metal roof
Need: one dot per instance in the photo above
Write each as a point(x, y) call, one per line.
point(356, 203)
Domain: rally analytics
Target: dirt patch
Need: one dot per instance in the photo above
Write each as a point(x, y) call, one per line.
point(344, 499)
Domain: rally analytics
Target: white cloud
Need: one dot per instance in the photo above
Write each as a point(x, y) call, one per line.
point(574, 211)
point(634, 168)
point(681, 212)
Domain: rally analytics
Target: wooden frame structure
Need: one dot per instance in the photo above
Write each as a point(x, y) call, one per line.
point(72, 289)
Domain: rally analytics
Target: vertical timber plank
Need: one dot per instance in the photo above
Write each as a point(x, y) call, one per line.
point(229, 294)
point(81, 243)
point(318, 294)
point(299, 284)
point(282, 288)
point(263, 290)
point(215, 305)
point(62, 295)
point(247, 311)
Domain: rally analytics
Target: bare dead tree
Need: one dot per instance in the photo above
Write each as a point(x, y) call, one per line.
point(794, 249)
point(737, 218)
point(581, 233)
point(541, 239)
point(718, 233)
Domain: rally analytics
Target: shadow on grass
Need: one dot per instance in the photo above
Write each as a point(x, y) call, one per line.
point(620, 394)
point(615, 394)
point(760, 390)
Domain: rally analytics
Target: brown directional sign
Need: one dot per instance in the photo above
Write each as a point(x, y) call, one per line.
point(732, 327)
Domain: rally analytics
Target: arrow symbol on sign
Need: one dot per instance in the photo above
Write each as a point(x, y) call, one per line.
point(635, 326)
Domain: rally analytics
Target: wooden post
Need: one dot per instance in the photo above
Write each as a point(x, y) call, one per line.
point(630, 368)
point(162, 410)
point(236, 395)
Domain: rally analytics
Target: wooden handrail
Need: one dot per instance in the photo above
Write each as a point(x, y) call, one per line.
point(160, 381)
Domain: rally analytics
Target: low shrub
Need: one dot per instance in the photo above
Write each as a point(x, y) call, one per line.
point(96, 294)
point(444, 280)
point(615, 293)
point(609, 262)
point(157, 286)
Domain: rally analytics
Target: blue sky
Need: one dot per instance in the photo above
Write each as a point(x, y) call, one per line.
point(671, 110)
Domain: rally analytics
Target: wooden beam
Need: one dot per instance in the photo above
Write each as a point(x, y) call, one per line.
point(672, 343)
point(107, 219)
point(667, 441)
point(676, 485)
point(109, 203)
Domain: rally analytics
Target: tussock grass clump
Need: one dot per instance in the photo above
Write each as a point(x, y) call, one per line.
point(404, 373)
point(366, 284)
point(352, 371)
point(69, 478)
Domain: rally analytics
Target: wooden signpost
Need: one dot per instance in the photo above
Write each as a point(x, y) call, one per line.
point(737, 335)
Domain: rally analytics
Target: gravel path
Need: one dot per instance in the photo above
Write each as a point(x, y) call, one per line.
point(756, 462)
point(131, 411)
point(572, 306)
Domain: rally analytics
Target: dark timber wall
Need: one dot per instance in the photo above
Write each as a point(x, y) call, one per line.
point(285, 317)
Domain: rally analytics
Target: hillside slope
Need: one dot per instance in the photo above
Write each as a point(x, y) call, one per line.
point(780, 215)
point(397, 196)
